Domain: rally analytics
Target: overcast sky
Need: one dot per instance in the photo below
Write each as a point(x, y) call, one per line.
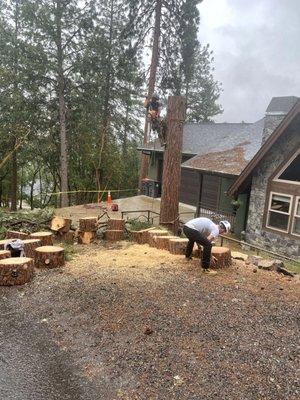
point(256, 48)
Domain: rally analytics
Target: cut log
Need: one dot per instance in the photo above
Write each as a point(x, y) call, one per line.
point(142, 236)
point(153, 234)
point(114, 235)
point(4, 254)
point(116, 224)
point(46, 238)
point(16, 271)
point(61, 224)
point(30, 245)
point(222, 255)
point(178, 245)
point(16, 235)
point(88, 224)
point(49, 257)
point(197, 252)
point(162, 242)
point(86, 237)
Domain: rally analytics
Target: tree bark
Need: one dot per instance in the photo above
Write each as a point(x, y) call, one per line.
point(152, 79)
point(46, 238)
point(169, 215)
point(16, 271)
point(49, 257)
point(64, 198)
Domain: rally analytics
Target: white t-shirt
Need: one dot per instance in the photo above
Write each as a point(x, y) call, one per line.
point(204, 225)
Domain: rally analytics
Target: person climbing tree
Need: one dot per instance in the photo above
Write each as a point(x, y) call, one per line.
point(153, 106)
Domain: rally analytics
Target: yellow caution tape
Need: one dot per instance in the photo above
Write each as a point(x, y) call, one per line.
point(88, 191)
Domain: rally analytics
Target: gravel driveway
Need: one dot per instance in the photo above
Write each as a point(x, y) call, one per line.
point(132, 322)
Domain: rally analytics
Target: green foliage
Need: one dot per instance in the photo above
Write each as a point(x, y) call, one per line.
point(26, 220)
point(138, 225)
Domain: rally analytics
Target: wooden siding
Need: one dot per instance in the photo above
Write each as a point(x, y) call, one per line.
point(210, 191)
point(189, 187)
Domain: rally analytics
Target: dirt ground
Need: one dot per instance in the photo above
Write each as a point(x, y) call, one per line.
point(127, 321)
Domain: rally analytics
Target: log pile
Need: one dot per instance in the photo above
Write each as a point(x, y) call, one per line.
point(222, 257)
point(4, 254)
point(16, 235)
point(162, 242)
point(49, 257)
point(152, 235)
point(16, 271)
point(46, 238)
point(178, 245)
point(115, 229)
point(30, 245)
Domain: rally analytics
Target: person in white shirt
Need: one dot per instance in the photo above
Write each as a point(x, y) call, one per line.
point(203, 231)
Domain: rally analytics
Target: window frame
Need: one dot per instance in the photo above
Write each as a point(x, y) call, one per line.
point(271, 193)
point(297, 199)
point(282, 169)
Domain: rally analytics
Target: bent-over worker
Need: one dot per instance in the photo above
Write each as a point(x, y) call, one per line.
point(203, 231)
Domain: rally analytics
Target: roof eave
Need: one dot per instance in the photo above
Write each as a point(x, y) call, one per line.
point(233, 190)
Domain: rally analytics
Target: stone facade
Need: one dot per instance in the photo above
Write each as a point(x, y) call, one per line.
point(255, 233)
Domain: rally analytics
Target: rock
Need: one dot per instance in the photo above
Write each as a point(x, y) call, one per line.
point(255, 270)
point(270, 265)
point(239, 256)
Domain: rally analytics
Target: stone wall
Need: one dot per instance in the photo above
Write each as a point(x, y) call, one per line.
point(254, 232)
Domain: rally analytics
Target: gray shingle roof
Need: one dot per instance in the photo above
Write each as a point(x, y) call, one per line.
point(281, 105)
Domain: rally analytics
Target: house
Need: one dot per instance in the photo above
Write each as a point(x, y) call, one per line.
point(237, 170)
point(272, 181)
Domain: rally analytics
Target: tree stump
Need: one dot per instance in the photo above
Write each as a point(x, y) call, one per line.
point(222, 255)
point(16, 235)
point(46, 238)
point(114, 235)
point(4, 254)
point(49, 257)
point(178, 245)
point(162, 242)
point(30, 245)
point(16, 271)
point(86, 237)
point(88, 224)
point(116, 224)
point(153, 234)
point(61, 225)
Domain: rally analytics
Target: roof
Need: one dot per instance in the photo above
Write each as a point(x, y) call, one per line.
point(204, 138)
point(247, 172)
point(281, 105)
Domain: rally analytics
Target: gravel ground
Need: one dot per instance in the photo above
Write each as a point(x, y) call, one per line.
point(131, 322)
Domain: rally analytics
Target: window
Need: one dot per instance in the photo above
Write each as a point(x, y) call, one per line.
point(296, 221)
point(279, 212)
point(291, 171)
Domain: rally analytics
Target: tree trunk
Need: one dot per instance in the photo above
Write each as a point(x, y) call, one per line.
point(114, 235)
point(16, 235)
point(116, 224)
point(151, 86)
point(4, 254)
point(64, 198)
point(178, 245)
point(46, 238)
point(88, 224)
point(30, 245)
point(222, 256)
point(14, 182)
point(169, 216)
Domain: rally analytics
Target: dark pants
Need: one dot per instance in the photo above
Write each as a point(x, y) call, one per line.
point(195, 236)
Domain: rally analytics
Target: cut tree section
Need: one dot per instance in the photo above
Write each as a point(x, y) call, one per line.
point(88, 224)
point(162, 242)
point(114, 235)
point(16, 235)
point(46, 238)
point(86, 237)
point(222, 256)
point(16, 271)
point(49, 257)
point(153, 234)
point(30, 245)
point(4, 254)
point(61, 224)
point(116, 224)
point(177, 245)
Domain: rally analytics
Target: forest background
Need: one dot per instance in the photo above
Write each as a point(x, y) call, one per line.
point(73, 78)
